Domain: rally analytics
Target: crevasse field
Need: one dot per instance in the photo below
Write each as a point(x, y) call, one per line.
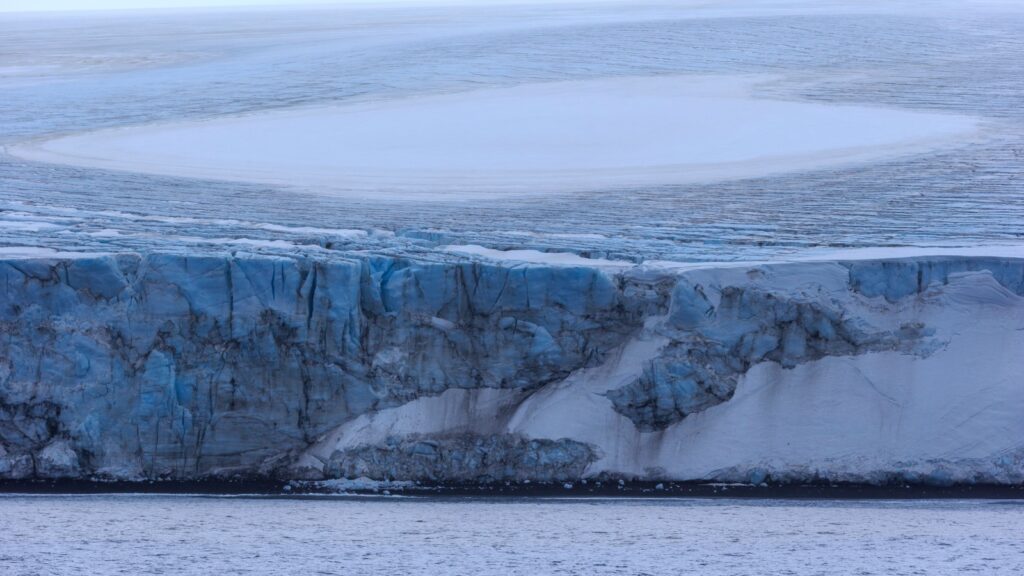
point(753, 242)
point(929, 94)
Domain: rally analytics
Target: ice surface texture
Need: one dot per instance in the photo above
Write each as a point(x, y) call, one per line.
point(951, 59)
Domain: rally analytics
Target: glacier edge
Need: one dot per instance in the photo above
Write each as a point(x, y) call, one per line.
point(142, 366)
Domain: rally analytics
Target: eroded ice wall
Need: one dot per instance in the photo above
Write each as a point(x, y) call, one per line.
point(168, 365)
point(184, 366)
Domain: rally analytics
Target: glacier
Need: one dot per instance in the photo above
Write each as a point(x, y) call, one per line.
point(468, 369)
point(766, 303)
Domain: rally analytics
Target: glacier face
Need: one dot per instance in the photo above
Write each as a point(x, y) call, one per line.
point(157, 326)
point(183, 365)
point(161, 365)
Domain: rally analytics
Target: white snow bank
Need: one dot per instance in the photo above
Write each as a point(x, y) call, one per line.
point(848, 415)
point(530, 138)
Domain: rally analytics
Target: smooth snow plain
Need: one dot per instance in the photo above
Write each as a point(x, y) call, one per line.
point(560, 136)
point(185, 535)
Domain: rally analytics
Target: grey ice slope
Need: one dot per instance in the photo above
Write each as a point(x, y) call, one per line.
point(165, 365)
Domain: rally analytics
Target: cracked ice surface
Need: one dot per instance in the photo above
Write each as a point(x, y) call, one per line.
point(127, 73)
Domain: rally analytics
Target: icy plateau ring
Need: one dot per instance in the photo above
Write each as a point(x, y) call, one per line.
point(613, 132)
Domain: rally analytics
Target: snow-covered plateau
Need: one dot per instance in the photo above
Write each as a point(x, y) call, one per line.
point(730, 242)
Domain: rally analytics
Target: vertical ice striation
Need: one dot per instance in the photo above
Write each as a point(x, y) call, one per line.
point(183, 366)
point(187, 366)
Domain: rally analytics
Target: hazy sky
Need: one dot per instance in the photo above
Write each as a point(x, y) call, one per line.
point(32, 5)
point(54, 5)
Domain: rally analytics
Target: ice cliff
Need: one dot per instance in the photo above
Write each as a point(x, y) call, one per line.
point(466, 368)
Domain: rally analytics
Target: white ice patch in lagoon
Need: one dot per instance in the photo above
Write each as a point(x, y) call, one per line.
point(557, 136)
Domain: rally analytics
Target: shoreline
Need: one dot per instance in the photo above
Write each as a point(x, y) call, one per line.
point(255, 487)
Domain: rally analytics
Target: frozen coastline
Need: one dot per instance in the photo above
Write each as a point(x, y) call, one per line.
point(828, 291)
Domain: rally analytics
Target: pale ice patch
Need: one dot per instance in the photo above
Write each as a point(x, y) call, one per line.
point(594, 134)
